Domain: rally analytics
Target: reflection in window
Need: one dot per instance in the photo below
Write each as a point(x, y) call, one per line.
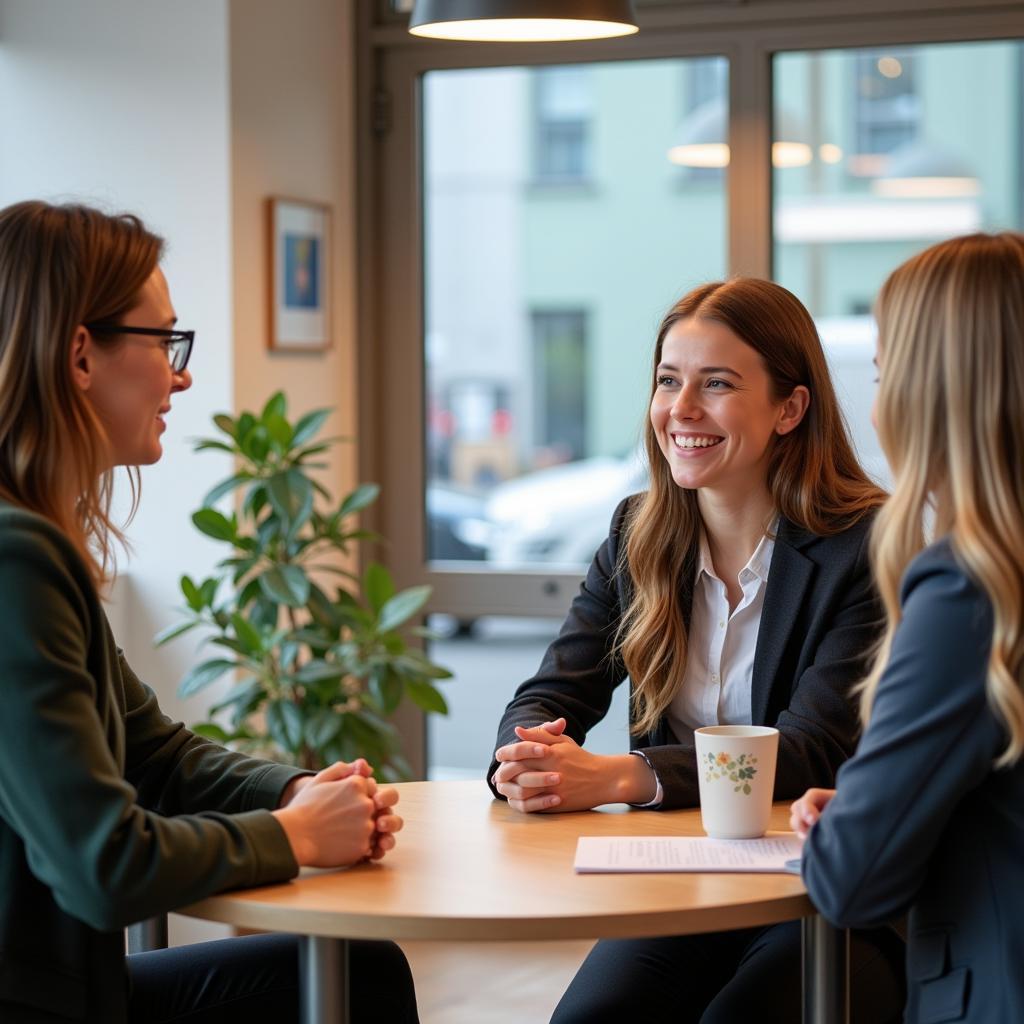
point(563, 109)
point(908, 146)
point(888, 107)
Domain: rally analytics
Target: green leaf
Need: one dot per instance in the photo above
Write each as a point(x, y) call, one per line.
point(322, 728)
point(208, 444)
point(286, 584)
point(363, 495)
point(415, 664)
point(311, 638)
point(284, 720)
point(388, 688)
point(425, 696)
point(245, 425)
point(168, 634)
point(291, 494)
point(208, 591)
point(279, 431)
point(211, 731)
point(256, 443)
point(264, 612)
point(247, 634)
point(277, 405)
point(402, 607)
point(191, 593)
point(226, 487)
point(213, 524)
point(378, 586)
point(324, 613)
point(255, 499)
point(203, 674)
point(247, 694)
point(318, 670)
point(225, 424)
point(309, 426)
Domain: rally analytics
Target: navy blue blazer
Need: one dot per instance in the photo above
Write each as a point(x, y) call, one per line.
point(820, 620)
point(921, 820)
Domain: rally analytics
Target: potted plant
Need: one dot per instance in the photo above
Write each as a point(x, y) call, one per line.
point(321, 654)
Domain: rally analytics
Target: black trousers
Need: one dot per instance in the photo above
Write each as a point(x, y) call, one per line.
point(255, 980)
point(725, 978)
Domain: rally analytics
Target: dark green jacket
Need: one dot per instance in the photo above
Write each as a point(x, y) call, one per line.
point(109, 812)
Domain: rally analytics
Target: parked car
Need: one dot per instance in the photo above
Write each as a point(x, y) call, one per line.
point(558, 515)
point(448, 508)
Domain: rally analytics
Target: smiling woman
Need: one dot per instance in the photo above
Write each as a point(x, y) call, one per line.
point(734, 591)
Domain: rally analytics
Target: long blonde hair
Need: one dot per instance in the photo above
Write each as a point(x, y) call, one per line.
point(813, 477)
point(950, 415)
point(60, 267)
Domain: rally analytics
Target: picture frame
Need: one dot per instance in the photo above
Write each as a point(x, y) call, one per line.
point(299, 256)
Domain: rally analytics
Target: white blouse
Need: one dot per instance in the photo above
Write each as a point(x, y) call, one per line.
point(720, 662)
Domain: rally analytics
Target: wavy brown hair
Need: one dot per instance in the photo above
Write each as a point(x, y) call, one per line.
point(814, 479)
point(61, 267)
point(950, 416)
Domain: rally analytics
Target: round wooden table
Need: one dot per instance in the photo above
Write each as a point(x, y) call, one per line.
point(468, 868)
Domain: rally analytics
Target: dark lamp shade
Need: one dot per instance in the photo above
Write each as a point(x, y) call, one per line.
point(522, 20)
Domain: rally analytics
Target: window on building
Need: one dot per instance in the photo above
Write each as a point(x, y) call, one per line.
point(559, 386)
point(564, 109)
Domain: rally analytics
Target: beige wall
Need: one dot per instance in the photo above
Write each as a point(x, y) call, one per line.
point(292, 103)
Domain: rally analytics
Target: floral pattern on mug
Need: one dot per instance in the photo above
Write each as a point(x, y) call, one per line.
point(739, 770)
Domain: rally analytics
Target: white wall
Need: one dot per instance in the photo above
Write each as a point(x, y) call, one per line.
point(124, 104)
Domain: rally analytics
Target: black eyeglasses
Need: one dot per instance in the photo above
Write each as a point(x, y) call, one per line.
point(177, 343)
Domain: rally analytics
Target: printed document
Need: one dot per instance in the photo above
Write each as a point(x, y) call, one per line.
point(687, 853)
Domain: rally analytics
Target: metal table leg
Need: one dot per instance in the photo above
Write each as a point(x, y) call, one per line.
point(323, 980)
point(148, 935)
point(826, 972)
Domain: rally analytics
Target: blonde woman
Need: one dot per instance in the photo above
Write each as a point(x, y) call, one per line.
point(928, 816)
point(735, 590)
point(109, 811)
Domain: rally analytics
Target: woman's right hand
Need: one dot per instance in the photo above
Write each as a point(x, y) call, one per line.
point(805, 812)
point(518, 777)
point(332, 821)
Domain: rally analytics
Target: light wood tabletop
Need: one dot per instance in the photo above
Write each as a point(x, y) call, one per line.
point(468, 867)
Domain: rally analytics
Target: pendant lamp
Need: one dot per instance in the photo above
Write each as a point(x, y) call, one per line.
point(922, 170)
point(522, 21)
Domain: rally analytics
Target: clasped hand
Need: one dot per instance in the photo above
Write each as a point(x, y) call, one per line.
point(339, 816)
point(549, 771)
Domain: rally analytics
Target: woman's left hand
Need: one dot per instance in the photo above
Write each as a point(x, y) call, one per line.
point(585, 780)
point(805, 812)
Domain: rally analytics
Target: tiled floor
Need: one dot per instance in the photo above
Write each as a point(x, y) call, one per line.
point(491, 982)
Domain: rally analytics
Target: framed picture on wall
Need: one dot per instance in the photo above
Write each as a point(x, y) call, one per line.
point(300, 277)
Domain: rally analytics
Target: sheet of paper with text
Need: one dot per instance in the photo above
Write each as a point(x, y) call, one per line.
point(686, 853)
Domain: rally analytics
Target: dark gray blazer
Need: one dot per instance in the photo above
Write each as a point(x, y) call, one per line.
point(821, 616)
point(921, 819)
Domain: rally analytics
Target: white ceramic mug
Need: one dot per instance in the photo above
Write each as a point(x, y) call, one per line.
point(736, 775)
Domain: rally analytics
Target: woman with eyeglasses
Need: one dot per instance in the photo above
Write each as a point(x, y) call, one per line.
point(928, 816)
point(111, 813)
point(734, 591)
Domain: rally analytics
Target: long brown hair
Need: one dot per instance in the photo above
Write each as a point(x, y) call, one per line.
point(950, 416)
point(61, 267)
point(814, 479)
